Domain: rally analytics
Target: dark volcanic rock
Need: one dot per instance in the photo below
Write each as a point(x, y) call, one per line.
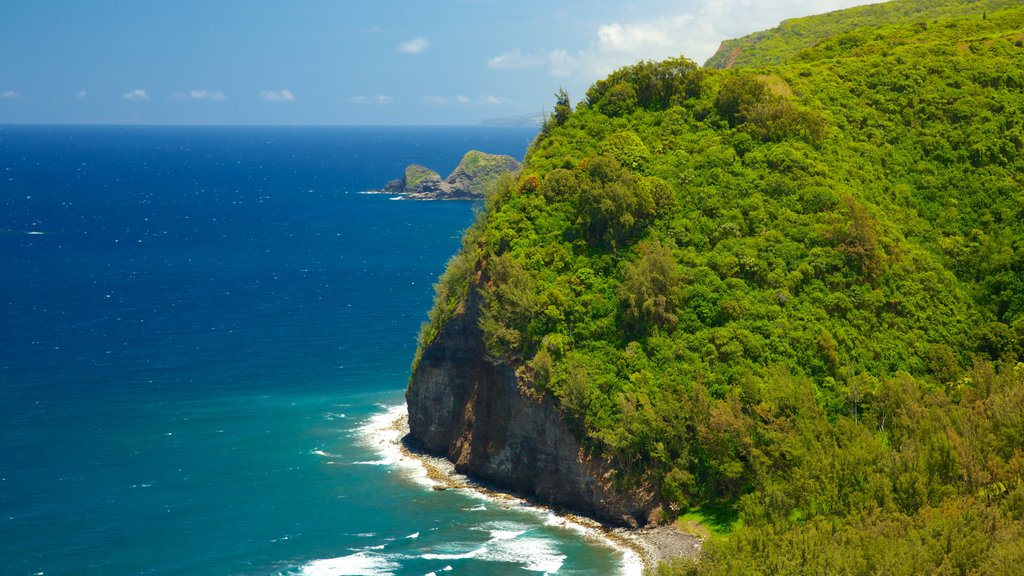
point(466, 407)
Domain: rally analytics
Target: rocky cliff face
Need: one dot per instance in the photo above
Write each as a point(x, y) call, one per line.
point(468, 181)
point(470, 409)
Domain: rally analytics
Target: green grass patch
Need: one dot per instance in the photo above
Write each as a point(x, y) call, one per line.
point(716, 522)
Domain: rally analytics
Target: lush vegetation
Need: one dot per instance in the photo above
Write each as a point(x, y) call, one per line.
point(478, 171)
point(794, 292)
point(779, 44)
point(415, 174)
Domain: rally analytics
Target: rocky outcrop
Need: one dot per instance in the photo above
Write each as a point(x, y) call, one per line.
point(471, 409)
point(468, 181)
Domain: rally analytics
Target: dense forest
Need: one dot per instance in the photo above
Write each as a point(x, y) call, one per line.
point(787, 296)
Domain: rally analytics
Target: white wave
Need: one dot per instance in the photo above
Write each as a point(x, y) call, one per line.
point(463, 556)
point(479, 508)
point(535, 554)
point(384, 462)
point(506, 534)
point(383, 433)
point(413, 536)
point(358, 564)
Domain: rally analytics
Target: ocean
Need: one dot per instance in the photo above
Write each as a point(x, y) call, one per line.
point(199, 327)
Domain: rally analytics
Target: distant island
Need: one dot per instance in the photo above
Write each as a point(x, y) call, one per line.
point(534, 119)
point(468, 181)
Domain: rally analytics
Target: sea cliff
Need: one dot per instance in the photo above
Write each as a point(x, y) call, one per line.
point(470, 408)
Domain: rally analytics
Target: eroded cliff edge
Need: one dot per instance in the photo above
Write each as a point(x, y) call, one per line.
point(469, 408)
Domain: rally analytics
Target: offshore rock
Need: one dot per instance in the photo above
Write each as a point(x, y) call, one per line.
point(474, 174)
point(471, 409)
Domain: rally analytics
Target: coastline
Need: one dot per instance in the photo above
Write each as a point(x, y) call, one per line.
point(642, 548)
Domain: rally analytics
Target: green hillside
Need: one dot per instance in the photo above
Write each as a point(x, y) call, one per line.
point(793, 295)
point(782, 43)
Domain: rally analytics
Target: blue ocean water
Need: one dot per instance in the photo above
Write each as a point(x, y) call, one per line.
point(196, 326)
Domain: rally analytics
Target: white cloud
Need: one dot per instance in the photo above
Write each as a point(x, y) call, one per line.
point(638, 37)
point(561, 64)
point(695, 33)
point(10, 95)
point(491, 100)
point(515, 59)
point(558, 62)
point(137, 94)
point(463, 100)
point(214, 95)
point(282, 95)
point(378, 99)
point(82, 95)
point(414, 46)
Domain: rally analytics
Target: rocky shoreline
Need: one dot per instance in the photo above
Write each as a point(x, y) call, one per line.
point(644, 548)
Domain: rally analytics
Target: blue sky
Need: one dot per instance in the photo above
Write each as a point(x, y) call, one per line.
point(341, 61)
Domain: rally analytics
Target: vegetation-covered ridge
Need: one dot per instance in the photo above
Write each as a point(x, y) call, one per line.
point(795, 292)
point(770, 47)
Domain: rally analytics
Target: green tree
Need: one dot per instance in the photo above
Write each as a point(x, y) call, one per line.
point(650, 288)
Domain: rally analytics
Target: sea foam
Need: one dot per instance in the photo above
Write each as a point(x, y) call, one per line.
point(384, 432)
point(358, 564)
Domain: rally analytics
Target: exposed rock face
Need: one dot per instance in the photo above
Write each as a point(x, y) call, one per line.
point(464, 406)
point(468, 181)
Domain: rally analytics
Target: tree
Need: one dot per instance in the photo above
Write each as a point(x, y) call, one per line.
point(563, 109)
point(649, 288)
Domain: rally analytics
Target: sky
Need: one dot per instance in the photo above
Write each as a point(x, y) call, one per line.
point(342, 62)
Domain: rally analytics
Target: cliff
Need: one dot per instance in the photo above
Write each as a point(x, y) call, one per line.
point(785, 299)
point(475, 172)
point(471, 409)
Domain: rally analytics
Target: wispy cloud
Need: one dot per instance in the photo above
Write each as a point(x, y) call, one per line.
point(213, 95)
point(137, 94)
point(378, 99)
point(514, 59)
point(414, 46)
point(558, 62)
point(11, 95)
point(282, 95)
point(81, 95)
point(463, 100)
point(492, 100)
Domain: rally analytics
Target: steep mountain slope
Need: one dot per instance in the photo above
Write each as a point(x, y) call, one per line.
point(795, 293)
point(782, 43)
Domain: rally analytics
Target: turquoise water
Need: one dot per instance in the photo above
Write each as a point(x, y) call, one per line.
point(197, 326)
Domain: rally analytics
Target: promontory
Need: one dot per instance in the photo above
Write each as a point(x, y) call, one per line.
point(778, 302)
